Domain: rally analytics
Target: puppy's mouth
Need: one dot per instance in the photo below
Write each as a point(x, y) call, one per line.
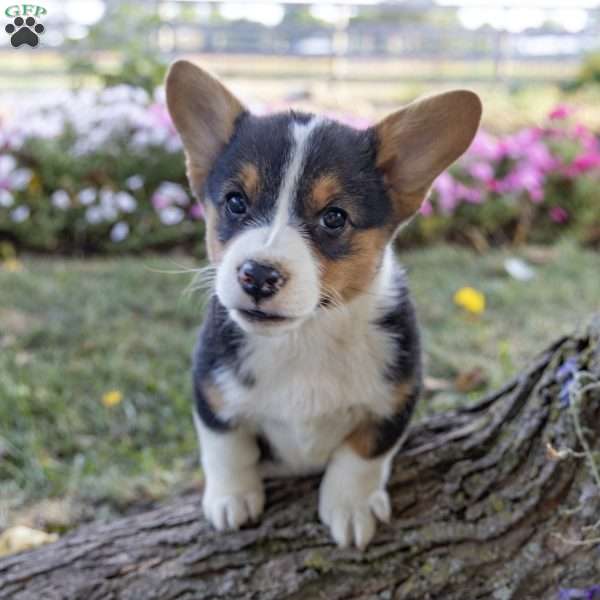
point(259, 316)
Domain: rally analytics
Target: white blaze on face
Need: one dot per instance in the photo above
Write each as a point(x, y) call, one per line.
point(289, 183)
point(277, 244)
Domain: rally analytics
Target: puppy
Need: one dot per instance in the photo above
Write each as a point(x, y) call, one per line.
point(308, 359)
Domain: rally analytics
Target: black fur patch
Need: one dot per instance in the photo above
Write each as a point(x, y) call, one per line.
point(389, 430)
point(404, 365)
point(333, 148)
point(218, 346)
point(401, 322)
point(264, 142)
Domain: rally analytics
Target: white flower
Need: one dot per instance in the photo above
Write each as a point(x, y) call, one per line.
point(20, 178)
point(94, 215)
point(135, 182)
point(6, 198)
point(174, 192)
point(107, 197)
point(87, 196)
point(174, 145)
point(119, 232)
point(126, 202)
point(108, 204)
point(171, 215)
point(7, 164)
point(60, 199)
point(20, 214)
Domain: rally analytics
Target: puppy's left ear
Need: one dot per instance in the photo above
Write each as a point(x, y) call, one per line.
point(416, 143)
point(204, 112)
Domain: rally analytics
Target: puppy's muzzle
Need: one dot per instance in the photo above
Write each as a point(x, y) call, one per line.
point(259, 281)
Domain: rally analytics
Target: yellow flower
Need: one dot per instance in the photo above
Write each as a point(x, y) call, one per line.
point(20, 538)
point(470, 299)
point(12, 265)
point(112, 398)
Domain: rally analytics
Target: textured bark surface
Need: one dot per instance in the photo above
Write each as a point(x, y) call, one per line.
point(482, 509)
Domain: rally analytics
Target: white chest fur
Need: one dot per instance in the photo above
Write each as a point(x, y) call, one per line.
point(313, 385)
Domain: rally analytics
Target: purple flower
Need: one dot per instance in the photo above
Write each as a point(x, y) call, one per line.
point(197, 211)
point(565, 375)
point(558, 214)
point(567, 370)
point(591, 593)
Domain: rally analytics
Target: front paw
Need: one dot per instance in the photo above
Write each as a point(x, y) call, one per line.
point(230, 509)
point(351, 513)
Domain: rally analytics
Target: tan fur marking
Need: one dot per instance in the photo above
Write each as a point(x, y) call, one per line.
point(250, 179)
point(323, 190)
point(419, 141)
point(363, 440)
point(213, 396)
point(342, 280)
point(204, 113)
point(214, 248)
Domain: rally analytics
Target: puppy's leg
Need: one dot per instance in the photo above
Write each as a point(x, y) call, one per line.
point(352, 496)
point(233, 492)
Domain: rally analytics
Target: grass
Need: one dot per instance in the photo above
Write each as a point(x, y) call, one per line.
point(73, 330)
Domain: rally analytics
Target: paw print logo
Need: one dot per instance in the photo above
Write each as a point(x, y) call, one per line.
point(24, 31)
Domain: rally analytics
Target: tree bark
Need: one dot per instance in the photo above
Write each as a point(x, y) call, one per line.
point(495, 500)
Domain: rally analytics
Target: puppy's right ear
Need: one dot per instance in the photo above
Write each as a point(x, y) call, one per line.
point(204, 113)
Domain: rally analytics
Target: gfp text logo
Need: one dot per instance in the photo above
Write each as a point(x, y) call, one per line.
point(24, 28)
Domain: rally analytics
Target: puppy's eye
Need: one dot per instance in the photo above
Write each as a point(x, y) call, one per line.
point(334, 219)
point(236, 204)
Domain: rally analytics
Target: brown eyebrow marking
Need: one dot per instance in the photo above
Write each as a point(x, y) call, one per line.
point(323, 189)
point(249, 178)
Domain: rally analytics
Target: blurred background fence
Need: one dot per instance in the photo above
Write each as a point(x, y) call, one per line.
point(412, 40)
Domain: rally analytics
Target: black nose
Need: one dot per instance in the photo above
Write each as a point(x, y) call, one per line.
point(259, 281)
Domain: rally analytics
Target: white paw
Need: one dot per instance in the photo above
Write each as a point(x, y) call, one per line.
point(351, 513)
point(230, 510)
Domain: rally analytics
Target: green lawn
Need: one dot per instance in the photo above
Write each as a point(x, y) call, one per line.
point(73, 330)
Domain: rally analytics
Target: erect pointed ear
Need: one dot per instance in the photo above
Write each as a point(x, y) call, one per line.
point(416, 143)
point(204, 113)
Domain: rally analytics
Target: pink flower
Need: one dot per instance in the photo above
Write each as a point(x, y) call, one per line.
point(197, 211)
point(426, 209)
point(482, 170)
point(561, 111)
point(558, 214)
point(485, 147)
point(445, 186)
point(160, 202)
point(585, 162)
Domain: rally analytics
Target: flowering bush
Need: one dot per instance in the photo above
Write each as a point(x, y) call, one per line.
point(534, 184)
point(94, 171)
point(103, 171)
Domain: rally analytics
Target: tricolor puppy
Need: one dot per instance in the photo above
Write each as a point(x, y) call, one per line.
point(308, 359)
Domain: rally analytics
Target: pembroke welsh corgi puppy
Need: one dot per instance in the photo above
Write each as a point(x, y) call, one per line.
point(308, 359)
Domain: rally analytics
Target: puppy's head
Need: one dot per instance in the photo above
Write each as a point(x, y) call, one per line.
point(300, 209)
